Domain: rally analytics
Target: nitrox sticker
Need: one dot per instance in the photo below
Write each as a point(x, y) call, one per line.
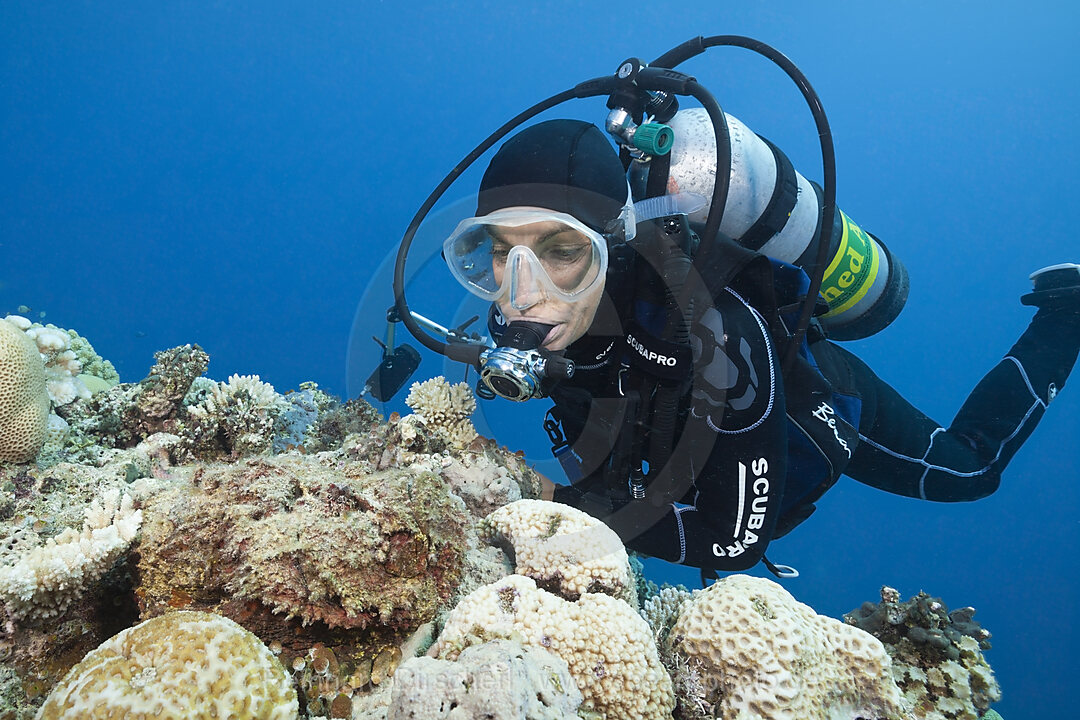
point(852, 271)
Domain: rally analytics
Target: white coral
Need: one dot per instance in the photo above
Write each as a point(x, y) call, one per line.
point(445, 408)
point(45, 581)
point(245, 407)
point(62, 367)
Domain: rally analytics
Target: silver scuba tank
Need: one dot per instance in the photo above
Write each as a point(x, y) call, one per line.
point(773, 209)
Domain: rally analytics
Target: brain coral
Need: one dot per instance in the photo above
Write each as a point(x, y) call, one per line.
point(180, 666)
point(563, 549)
point(759, 653)
point(24, 401)
point(607, 645)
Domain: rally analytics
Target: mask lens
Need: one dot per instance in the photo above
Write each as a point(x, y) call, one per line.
point(471, 257)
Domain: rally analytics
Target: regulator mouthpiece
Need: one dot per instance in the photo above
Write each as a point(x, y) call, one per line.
point(516, 368)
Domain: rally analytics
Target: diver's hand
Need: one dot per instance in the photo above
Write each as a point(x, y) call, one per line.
point(547, 488)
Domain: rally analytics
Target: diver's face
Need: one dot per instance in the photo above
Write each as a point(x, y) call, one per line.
point(566, 256)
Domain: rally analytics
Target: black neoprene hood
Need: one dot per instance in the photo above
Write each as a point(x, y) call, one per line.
point(563, 165)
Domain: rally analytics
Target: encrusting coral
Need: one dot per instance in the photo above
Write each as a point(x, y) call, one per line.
point(320, 543)
point(936, 655)
point(499, 680)
point(758, 653)
point(181, 666)
point(24, 401)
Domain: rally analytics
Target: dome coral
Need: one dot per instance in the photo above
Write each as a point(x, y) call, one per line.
point(24, 401)
point(181, 666)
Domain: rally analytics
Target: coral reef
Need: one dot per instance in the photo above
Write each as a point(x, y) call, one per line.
point(499, 680)
point(44, 582)
point(181, 666)
point(563, 549)
point(606, 644)
point(757, 652)
point(936, 655)
point(24, 402)
point(350, 546)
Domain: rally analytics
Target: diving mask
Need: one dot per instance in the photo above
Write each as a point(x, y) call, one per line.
point(524, 255)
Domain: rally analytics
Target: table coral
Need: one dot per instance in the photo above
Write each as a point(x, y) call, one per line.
point(563, 549)
point(758, 653)
point(937, 654)
point(180, 666)
point(24, 401)
point(606, 644)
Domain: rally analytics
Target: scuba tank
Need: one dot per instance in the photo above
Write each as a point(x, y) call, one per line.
point(772, 209)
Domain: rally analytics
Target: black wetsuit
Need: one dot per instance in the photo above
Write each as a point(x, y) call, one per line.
point(744, 472)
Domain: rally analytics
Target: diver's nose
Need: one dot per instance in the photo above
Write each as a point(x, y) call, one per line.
point(525, 291)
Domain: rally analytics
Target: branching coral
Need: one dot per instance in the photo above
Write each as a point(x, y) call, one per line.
point(445, 408)
point(236, 417)
point(45, 581)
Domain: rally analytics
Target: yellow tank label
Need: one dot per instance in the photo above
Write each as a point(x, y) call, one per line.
point(852, 271)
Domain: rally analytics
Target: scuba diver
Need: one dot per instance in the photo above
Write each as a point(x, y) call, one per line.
point(701, 405)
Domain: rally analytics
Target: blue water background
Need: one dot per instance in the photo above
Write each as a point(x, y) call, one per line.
point(233, 174)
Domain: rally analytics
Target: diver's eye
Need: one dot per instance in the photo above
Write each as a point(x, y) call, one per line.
point(565, 254)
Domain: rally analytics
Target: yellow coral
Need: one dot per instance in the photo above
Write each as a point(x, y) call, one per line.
point(24, 401)
point(181, 666)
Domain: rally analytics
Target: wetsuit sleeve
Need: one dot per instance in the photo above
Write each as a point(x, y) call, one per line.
point(736, 438)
